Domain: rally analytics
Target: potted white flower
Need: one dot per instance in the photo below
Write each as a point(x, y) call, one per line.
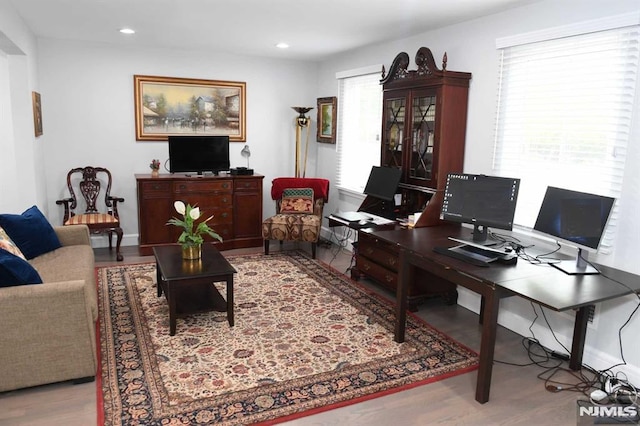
point(191, 238)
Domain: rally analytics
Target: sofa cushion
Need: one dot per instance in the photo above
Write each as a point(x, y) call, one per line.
point(7, 244)
point(31, 232)
point(297, 200)
point(75, 262)
point(15, 270)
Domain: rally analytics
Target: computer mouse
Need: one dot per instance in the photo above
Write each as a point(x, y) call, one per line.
point(598, 395)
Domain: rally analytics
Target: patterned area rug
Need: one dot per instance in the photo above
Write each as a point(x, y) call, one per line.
point(306, 339)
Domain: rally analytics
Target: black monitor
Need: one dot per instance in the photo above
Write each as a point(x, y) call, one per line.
point(383, 182)
point(483, 201)
point(198, 154)
point(577, 218)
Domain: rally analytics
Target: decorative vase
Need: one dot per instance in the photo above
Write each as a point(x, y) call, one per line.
point(155, 173)
point(191, 252)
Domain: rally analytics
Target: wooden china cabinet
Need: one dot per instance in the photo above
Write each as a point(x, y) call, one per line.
point(423, 133)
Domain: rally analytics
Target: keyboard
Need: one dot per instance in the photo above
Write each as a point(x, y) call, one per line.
point(473, 256)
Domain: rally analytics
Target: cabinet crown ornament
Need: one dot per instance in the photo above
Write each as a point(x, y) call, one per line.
point(424, 61)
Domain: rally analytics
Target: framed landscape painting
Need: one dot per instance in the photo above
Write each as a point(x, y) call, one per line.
point(167, 106)
point(326, 131)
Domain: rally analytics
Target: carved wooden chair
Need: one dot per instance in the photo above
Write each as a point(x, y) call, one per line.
point(299, 205)
point(91, 185)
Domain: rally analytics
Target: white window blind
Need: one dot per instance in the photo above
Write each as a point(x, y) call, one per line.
point(359, 126)
point(564, 116)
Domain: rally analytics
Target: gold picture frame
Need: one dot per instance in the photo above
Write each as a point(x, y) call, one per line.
point(168, 106)
point(326, 125)
point(37, 113)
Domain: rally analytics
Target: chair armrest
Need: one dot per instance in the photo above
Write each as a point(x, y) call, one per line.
point(112, 205)
point(318, 207)
point(69, 205)
point(73, 235)
point(64, 201)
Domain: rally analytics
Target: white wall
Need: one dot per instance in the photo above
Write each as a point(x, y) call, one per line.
point(471, 48)
point(88, 113)
point(20, 150)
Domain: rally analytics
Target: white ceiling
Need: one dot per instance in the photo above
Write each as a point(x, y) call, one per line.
point(313, 28)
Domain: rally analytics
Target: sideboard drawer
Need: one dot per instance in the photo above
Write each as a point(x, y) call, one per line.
point(208, 186)
point(247, 184)
point(152, 189)
point(220, 215)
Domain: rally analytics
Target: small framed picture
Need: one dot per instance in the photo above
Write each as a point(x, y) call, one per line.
point(327, 109)
point(37, 113)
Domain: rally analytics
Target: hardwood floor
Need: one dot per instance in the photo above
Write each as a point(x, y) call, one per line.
point(518, 397)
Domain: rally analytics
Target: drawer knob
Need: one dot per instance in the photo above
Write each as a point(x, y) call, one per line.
point(368, 250)
point(389, 278)
point(225, 200)
point(156, 186)
point(392, 261)
point(225, 185)
point(224, 215)
point(366, 267)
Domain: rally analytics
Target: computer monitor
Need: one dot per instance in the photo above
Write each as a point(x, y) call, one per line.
point(576, 218)
point(483, 201)
point(383, 182)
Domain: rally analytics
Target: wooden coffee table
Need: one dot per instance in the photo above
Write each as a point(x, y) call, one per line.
point(189, 284)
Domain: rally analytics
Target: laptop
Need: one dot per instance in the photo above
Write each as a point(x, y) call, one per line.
point(351, 216)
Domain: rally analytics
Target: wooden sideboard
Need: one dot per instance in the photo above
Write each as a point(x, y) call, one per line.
point(234, 201)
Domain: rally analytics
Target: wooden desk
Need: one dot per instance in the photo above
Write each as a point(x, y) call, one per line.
point(379, 261)
point(543, 285)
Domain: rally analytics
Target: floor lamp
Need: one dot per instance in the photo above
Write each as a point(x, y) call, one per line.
point(302, 121)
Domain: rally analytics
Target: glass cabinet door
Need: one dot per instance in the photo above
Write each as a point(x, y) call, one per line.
point(423, 127)
point(393, 138)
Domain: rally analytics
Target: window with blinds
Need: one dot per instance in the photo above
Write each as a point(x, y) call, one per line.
point(359, 125)
point(564, 116)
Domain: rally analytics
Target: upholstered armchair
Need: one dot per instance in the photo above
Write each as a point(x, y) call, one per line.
point(299, 205)
point(93, 184)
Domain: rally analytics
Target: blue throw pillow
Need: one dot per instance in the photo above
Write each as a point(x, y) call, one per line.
point(16, 271)
point(31, 232)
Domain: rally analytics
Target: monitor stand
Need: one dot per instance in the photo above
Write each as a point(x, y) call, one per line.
point(579, 266)
point(479, 236)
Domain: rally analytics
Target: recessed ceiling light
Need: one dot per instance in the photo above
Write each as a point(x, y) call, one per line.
point(127, 31)
point(282, 46)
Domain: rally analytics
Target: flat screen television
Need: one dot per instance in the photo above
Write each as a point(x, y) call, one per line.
point(576, 218)
point(198, 154)
point(480, 200)
point(383, 182)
